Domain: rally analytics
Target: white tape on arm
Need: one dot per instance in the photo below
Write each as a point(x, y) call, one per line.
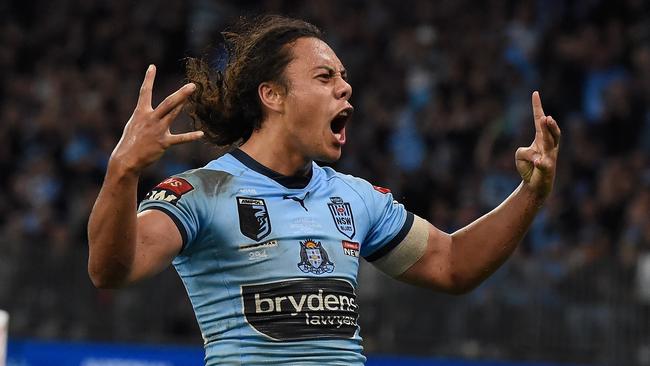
point(406, 253)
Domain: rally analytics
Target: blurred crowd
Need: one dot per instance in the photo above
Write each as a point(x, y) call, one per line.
point(442, 95)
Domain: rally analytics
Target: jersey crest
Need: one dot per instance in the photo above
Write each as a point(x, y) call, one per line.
point(314, 258)
point(342, 216)
point(254, 221)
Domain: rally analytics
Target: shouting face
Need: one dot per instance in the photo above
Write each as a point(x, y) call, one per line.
point(316, 106)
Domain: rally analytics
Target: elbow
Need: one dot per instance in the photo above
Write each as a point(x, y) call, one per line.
point(460, 285)
point(105, 283)
point(102, 282)
point(449, 283)
point(103, 279)
point(458, 290)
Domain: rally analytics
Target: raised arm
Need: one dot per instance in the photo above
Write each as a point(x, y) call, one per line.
point(124, 246)
point(458, 262)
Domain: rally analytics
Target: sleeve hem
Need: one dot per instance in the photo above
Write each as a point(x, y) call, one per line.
point(176, 220)
point(388, 247)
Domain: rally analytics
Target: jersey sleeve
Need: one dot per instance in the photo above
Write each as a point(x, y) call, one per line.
point(390, 222)
point(179, 199)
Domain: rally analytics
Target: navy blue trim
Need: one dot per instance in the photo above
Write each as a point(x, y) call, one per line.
point(396, 240)
point(176, 221)
point(295, 181)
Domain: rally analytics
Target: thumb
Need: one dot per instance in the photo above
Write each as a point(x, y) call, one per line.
point(185, 137)
point(527, 154)
point(525, 160)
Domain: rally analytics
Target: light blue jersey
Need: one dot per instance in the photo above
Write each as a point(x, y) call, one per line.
point(270, 262)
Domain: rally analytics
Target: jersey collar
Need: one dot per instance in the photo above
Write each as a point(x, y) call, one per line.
point(293, 182)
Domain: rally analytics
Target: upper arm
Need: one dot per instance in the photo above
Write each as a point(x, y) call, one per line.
point(404, 245)
point(158, 241)
point(422, 257)
point(167, 222)
point(434, 268)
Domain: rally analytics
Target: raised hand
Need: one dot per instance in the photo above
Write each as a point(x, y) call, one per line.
point(536, 163)
point(146, 135)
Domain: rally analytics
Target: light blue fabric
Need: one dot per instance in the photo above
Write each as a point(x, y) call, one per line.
point(271, 271)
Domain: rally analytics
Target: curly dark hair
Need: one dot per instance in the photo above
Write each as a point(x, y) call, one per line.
point(226, 106)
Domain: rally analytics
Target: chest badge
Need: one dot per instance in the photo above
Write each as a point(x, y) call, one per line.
point(342, 216)
point(314, 258)
point(254, 221)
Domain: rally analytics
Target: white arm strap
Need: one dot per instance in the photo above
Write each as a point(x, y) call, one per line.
point(406, 253)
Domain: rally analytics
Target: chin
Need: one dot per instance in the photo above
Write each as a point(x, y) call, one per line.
point(329, 156)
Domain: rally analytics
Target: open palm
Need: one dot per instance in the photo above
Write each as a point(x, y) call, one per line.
point(146, 135)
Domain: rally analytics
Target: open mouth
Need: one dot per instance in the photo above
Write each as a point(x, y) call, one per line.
point(340, 120)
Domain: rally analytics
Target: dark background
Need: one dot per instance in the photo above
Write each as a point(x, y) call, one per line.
point(442, 96)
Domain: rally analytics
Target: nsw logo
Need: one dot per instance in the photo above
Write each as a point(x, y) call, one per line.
point(342, 216)
point(314, 258)
point(254, 221)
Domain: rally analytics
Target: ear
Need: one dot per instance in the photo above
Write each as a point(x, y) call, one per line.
point(272, 96)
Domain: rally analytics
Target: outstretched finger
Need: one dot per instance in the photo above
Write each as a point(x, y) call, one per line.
point(548, 140)
point(555, 131)
point(184, 137)
point(171, 116)
point(538, 111)
point(144, 99)
point(174, 100)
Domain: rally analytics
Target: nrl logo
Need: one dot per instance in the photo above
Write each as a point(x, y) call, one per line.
point(314, 258)
point(342, 216)
point(254, 221)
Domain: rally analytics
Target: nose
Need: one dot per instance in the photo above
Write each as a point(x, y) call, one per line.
point(343, 89)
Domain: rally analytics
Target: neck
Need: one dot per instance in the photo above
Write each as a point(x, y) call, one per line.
point(270, 150)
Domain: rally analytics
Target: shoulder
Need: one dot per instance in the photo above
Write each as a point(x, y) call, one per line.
point(191, 183)
point(201, 177)
point(351, 180)
point(357, 184)
point(217, 172)
point(205, 177)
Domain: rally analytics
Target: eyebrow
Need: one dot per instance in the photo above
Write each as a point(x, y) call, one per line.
point(331, 70)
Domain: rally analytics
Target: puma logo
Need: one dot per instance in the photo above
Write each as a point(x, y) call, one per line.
point(301, 201)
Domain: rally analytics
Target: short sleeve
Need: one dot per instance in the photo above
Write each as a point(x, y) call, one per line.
point(177, 197)
point(390, 222)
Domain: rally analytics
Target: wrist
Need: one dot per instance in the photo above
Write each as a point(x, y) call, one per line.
point(120, 168)
point(533, 194)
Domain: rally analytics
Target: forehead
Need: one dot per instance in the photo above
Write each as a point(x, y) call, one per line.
point(309, 53)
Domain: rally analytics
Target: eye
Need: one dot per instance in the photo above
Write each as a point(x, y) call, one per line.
point(324, 77)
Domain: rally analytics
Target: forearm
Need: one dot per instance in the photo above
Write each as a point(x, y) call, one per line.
point(478, 249)
point(112, 227)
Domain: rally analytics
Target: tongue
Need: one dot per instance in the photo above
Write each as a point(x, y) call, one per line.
point(340, 136)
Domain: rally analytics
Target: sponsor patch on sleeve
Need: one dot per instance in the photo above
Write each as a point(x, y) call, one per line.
point(350, 248)
point(170, 190)
point(381, 189)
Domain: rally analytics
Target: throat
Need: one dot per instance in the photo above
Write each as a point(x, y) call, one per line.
point(299, 179)
point(278, 157)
